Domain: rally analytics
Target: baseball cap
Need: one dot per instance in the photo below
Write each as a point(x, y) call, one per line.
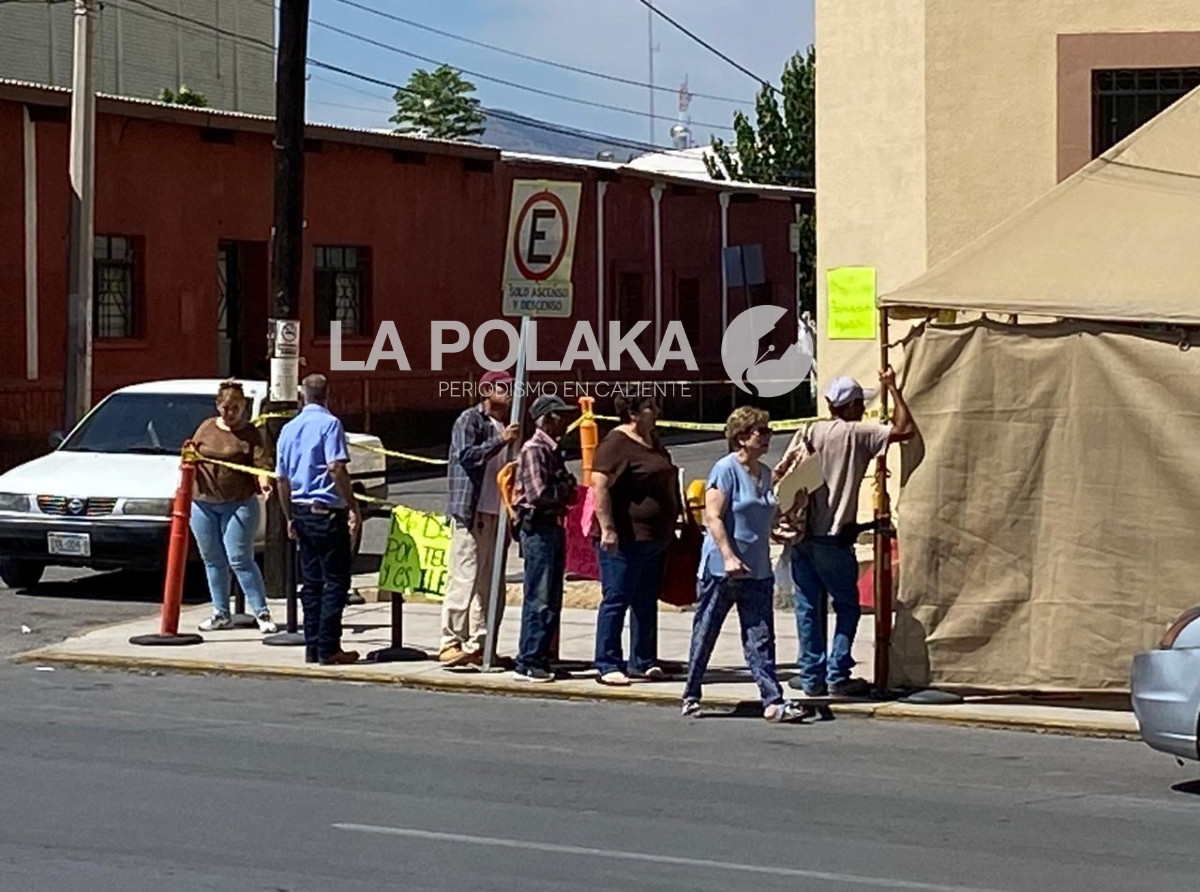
point(496, 377)
point(546, 404)
point(845, 390)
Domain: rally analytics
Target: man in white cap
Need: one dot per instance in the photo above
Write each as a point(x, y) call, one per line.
point(824, 562)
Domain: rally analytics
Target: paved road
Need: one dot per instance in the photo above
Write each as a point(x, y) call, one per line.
point(71, 601)
point(124, 782)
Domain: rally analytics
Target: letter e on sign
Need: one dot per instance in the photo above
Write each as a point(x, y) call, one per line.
point(543, 233)
point(540, 248)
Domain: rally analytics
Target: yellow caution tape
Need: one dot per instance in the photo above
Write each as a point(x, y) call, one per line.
point(191, 455)
point(379, 450)
point(586, 416)
point(790, 424)
point(260, 420)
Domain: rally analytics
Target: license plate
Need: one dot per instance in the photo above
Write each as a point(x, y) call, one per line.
point(69, 544)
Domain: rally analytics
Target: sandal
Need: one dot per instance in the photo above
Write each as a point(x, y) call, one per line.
point(615, 678)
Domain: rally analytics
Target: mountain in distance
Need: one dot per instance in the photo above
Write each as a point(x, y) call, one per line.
point(518, 133)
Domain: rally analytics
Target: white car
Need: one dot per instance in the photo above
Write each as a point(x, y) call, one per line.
point(102, 499)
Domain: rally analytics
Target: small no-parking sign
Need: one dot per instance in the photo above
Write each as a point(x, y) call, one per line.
point(540, 250)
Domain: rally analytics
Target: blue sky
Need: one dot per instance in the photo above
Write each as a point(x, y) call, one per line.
point(602, 35)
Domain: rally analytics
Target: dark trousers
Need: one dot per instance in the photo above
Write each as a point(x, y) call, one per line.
point(325, 557)
point(754, 600)
point(544, 549)
point(630, 579)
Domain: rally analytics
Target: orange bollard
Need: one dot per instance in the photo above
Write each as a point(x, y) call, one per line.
point(177, 551)
point(589, 437)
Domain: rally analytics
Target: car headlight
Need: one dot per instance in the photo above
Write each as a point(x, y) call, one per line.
point(1176, 629)
point(148, 507)
point(11, 501)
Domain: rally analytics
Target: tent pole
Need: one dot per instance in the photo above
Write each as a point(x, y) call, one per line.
point(883, 548)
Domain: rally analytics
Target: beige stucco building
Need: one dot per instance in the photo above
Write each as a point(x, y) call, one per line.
point(221, 48)
point(938, 119)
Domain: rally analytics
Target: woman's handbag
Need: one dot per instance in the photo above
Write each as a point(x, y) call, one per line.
point(682, 560)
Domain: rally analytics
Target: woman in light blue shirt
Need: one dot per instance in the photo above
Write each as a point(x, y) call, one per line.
point(735, 564)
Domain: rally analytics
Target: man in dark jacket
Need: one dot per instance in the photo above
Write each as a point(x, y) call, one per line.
point(478, 449)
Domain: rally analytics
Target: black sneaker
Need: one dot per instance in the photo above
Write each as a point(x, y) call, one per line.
point(851, 687)
point(797, 685)
point(532, 673)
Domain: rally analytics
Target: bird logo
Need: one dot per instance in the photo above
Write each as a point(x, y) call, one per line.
point(749, 364)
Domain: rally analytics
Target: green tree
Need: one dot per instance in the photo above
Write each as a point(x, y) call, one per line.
point(438, 104)
point(781, 151)
point(185, 96)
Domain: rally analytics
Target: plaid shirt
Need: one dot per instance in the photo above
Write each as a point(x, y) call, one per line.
point(473, 443)
point(544, 487)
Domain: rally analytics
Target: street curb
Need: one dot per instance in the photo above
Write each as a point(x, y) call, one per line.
point(472, 684)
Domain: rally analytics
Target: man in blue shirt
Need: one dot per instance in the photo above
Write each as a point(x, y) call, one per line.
point(323, 515)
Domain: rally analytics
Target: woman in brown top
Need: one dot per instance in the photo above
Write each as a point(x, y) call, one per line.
point(636, 491)
point(226, 509)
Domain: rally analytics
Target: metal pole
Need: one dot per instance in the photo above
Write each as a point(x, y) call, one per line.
point(500, 562)
point(650, 33)
point(883, 544)
point(78, 384)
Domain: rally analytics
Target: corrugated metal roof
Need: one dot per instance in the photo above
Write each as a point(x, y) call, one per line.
point(215, 117)
point(660, 167)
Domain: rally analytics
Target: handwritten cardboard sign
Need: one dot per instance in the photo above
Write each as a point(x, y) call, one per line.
point(416, 556)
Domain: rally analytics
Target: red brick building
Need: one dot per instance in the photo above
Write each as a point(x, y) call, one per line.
point(397, 229)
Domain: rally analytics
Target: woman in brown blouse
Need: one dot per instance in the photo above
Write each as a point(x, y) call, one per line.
point(636, 489)
point(226, 509)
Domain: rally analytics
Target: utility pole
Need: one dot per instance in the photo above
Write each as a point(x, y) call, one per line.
point(77, 390)
point(287, 249)
point(653, 50)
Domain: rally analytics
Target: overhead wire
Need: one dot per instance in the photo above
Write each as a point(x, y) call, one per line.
point(511, 117)
point(483, 76)
point(708, 46)
point(614, 78)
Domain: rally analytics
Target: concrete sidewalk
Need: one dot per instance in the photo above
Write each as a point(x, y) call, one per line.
point(368, 628)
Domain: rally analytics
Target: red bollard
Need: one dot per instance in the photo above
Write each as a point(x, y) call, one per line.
point(177, 551)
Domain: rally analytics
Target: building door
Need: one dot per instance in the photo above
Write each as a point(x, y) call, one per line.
point(229, 310)
point(243, 290)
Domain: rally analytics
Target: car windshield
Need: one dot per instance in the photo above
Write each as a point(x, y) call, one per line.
point(142, 423)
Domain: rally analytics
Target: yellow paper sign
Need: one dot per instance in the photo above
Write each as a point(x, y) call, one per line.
point(852, 312)
point(415, 559)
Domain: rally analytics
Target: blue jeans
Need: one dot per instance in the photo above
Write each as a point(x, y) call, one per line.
point(325, 558)
point(224, 534)
point(755, 601)
point(629, 579)
point(544, 549)
point(821, 566)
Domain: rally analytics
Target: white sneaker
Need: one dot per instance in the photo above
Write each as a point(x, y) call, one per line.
point(265, 624)
point(216, 624)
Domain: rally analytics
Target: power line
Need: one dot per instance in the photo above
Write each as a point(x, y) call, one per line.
point(708, 46)
point(561, 129)
point(497, 113)
point(502, 81)
point(530, 58)
point(493, 79)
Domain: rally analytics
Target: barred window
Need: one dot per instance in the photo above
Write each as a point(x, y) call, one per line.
point(114, 280)
point(341, 288)
point(1125, 99)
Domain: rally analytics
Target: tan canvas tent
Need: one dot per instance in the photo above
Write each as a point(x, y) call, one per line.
point(1050, 512)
